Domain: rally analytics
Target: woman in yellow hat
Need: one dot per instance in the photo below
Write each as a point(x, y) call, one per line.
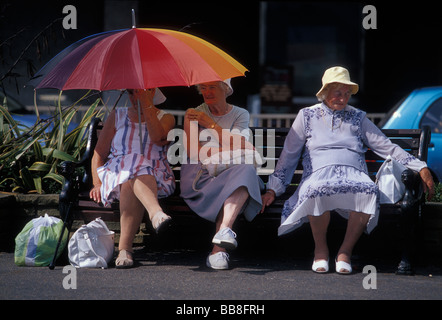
point(332, 137)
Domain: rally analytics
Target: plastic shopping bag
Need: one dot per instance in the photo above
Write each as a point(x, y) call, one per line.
point(35, 244)
point(389, 181)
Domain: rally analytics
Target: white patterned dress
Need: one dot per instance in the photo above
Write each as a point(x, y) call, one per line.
point(127, 161)
point(332, 145)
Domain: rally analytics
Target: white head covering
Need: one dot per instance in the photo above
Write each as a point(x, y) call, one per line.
point(229, 87)
point(159, 97)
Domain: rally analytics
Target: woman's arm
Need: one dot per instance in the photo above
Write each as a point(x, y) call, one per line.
point(382, 146)
point(101, 152)
point(287, 163)
point(157, 128)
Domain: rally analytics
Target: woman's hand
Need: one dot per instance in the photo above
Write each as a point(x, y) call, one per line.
point(428, 182)
point(145, 97)
point(95, 194)
point(203, 119)
point(267, 199)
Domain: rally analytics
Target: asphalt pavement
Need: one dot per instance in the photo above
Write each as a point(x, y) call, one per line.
point(270, 272)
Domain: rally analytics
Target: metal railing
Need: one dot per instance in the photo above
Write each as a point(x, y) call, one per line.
point(277, 120)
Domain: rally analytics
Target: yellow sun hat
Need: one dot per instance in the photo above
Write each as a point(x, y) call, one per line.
point(337, 75)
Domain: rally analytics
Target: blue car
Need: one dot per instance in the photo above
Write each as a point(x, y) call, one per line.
point(422, 107)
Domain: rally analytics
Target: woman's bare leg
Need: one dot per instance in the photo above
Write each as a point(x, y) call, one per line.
point(136, 196)
point(145, 189)
point(231, 209)
point(131, 215)
point(357, 222)
point(319, 226)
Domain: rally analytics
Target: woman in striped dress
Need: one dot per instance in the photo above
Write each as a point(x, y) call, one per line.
point(135, 173)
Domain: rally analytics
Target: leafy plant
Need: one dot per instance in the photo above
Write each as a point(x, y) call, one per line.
point(29, 156)
point(437, 193)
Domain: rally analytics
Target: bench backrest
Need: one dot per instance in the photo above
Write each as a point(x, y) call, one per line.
point(414, 141)
point(411, 140)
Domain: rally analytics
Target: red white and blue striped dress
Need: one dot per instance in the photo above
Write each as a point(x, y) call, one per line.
point(126, 161)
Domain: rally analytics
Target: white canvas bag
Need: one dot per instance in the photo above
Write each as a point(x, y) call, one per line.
point(219, 162)
point(91, 246)
point(389, 181)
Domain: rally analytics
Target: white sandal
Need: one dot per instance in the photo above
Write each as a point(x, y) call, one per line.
point(160, 220)
point(320, 266)
point(343, 267)
point(124, 260)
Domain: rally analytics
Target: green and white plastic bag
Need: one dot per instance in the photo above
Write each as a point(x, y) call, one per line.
point(35, 244)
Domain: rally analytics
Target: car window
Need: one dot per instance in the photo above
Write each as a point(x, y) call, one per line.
point(433, 117)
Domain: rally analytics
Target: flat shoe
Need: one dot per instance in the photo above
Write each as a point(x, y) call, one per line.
point(343, 267)
point(124, 260)
point(218, 261)
point(225, 238)
point(320, 266)
point(160, 221)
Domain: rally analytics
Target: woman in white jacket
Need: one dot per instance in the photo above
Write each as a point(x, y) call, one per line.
point(331, 138)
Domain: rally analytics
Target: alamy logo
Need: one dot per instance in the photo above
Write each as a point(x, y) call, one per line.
point(370, 20)
point(178, 153)
point(370, 280)
point(70, 281)
point(70, 21)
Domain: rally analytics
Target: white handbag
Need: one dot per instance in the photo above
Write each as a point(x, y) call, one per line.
point(388, 179)
point(91, 246)
point(221, 161)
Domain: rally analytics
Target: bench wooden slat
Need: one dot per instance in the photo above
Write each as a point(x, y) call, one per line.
point(90, 215)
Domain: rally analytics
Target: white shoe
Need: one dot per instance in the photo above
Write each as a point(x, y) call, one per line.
point(218, 261)
point(225, 238)
point(320, 266)
point(343, 267)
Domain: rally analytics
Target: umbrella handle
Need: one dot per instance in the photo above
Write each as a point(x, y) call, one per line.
point(139, 127)
point(133, 19)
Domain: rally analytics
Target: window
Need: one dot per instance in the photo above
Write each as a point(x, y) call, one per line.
point(433, 117)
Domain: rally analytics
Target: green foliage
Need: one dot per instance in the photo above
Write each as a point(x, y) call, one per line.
point(437, 193)
point(29, 156)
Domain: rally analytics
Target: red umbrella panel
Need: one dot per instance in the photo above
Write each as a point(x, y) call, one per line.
point(137, 59)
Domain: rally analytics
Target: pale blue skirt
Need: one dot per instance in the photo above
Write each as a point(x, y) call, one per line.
point(213, 191)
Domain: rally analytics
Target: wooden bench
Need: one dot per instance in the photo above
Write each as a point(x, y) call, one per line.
point(76, 204)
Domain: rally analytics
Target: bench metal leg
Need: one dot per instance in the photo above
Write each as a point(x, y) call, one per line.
point(409, 219)
point(408, 224)
point(65, 211)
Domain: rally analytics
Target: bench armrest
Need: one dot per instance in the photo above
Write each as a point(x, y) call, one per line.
point(73, 184)
point(413, 188)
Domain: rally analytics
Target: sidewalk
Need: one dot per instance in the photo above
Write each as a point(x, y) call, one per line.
point(184, 276)
point(263, 271)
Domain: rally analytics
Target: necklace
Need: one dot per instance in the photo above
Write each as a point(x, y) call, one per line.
point(211, 115)
point(223, 113)
point(333, 125)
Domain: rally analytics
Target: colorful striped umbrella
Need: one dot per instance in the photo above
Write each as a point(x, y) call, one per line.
point(137, 58)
